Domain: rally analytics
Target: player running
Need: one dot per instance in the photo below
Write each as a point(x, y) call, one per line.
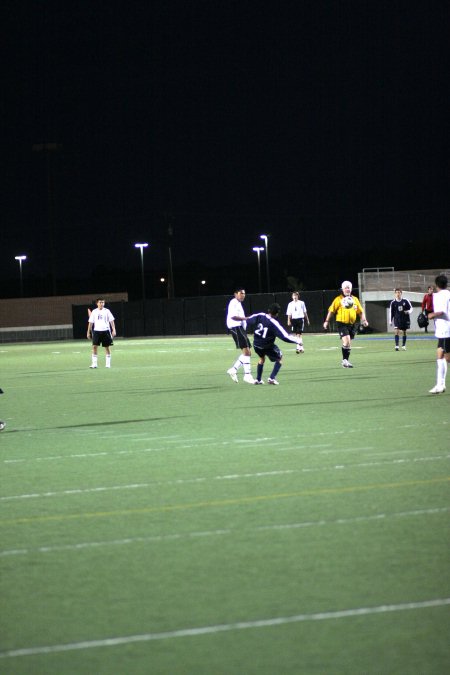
point(266, 329)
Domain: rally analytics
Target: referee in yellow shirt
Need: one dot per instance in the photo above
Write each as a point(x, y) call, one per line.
point(347, 308)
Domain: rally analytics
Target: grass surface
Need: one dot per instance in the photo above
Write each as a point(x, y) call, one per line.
point(158, 518)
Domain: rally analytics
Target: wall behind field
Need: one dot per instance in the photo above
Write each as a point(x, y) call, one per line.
point(50, 318)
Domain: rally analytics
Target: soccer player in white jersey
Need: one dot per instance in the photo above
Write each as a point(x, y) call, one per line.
point(296, 314)
point(102, 328)
point(237, 326)
point(441, 316)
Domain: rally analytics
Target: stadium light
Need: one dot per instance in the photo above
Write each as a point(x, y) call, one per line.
point(258, 250)
point(266, 241)
point(141, 247)
point(20, 258)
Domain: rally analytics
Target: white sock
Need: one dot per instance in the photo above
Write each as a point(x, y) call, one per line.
point(108, 360)
point(94, 360)
point(441, 371)
point(237, 364)
point(246, 364)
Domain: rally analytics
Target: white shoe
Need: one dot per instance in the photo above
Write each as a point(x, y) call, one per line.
point(107, 366)
point(438, 389)
point(272, 381)
point(92, 366)
point(346, 364)
point(404, 348)
point(249, 379)
point(233, 374)
point(397, 348)
point(300, 349)
point(259, 382)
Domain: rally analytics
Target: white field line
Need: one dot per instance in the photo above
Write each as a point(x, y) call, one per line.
point(143, 436)
point(329, 432)
point(185, 536)
point(221, 628)
point(272, 441)
point(204, 479)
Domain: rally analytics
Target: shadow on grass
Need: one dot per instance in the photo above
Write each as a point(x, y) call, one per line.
point(99, 424)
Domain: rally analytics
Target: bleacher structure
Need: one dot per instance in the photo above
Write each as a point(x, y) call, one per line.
point(376, 289)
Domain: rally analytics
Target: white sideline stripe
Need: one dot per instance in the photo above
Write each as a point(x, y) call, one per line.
point(198, 479)
point(214, 533)
point(221, 628)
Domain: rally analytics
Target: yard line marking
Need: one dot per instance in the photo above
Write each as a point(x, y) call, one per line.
point(204, 479)
point(161, 538)
point(223, 502)
point(221, 628)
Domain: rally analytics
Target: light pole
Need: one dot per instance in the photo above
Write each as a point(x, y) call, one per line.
point(20, 258)
point(266, 241)
point(142, 246)
point(258, 250)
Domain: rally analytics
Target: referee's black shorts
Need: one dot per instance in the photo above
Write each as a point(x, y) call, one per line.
point(240, 337)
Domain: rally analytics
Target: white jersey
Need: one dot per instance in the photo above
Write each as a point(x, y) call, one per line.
point(101, 318)
point(235, 308)
point(441, 303)
point(296, 309)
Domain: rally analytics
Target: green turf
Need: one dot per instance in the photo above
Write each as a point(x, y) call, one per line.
point(297, 529)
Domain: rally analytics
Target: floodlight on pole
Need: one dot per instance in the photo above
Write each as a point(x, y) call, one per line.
point(258, 250)
point(20, 258)
point(141, 247)
point(265, 237)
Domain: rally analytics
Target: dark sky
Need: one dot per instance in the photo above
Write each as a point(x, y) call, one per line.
point(323, 123)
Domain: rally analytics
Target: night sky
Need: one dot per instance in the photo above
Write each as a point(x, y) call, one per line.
point(321, 123)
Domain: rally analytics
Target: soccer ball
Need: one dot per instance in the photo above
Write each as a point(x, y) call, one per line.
point(348, 302)
point(2, 425)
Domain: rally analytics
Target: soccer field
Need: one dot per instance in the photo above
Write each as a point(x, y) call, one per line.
point(158, 518)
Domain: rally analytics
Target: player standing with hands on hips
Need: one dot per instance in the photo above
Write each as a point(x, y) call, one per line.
point(347, 308)
point(441, 315)
point(102, 328)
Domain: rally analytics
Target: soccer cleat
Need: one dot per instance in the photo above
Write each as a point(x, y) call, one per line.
point(397, 348)
point(344, 363)
point(107, 366)
point(299, 349)
point(249, 379)
point(2, 425)
point(259, 382)
point(404, 348)
point(92, 366)
point(272, 381)
point(438, 389)
point(349, 365)
point(233, 374)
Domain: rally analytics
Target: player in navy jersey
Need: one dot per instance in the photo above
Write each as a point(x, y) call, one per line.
point(400, 310)
point(266, 329)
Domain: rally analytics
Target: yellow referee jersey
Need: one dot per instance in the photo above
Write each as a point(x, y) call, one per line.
point(343, 314)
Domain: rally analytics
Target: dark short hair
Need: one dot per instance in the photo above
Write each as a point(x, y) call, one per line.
point(274, 309)
point(441, 281)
